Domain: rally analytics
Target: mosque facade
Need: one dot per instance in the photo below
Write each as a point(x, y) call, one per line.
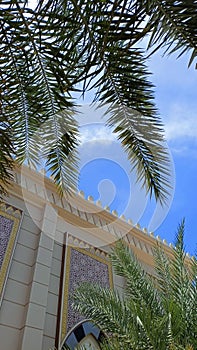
point(49, 246)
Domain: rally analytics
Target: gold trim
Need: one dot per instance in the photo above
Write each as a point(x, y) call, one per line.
point(9, 249)
point(65, 295)
point(66, 283)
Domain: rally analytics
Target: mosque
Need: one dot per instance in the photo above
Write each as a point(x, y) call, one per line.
point(49, 245)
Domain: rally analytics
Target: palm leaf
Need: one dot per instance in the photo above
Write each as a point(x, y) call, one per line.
point(34, 89)
point(6, 153)
point(134, 320)
point(46, 52)
point(139, 287)
point(173, 26)
point(163, 272)
point(176, 281)
point(124, 86)
point(59, 137)
point(107, 309)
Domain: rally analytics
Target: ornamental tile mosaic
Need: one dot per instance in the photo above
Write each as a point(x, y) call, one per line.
point(10, 218)
point(84, 268)
point(6, 226)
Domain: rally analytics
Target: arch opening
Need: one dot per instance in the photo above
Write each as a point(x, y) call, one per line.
point(85, 334)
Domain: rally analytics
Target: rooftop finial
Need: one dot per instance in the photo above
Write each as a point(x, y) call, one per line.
point(90, 198)
point(81, 193)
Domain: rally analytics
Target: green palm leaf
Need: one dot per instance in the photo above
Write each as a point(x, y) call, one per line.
point(146, 316)
point(107, 309)
point(60, 47)
point(133, 117)
point(59, 137)
point(34, 91)
point(173, 26)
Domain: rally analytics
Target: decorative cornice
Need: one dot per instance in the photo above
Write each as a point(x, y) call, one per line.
point(36, 187)
point(10, 210)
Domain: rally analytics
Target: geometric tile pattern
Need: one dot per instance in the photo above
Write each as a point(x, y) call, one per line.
point(5, 232)
point(10, 218)
point(82, 266)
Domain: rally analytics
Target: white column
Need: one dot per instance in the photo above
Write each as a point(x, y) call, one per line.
point(32, 336)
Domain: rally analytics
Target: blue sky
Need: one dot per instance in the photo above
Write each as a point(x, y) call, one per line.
point(104, 169)
point(175, 92)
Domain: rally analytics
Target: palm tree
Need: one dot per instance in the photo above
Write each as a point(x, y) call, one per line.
point(58, 47)
point(152, 314)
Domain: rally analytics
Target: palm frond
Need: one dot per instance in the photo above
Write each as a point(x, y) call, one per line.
point(139, 287)
point(173, 26)
point(179, 273)
point(163, 271)
point(184, 287)
point(176, 281)
point(59, 136)
point(46, 52)
point(125, 87)
point(134, 320)
point(104, 59)
point(114, 316)
point(34, 92)
point(6, 154)
point(105, 308)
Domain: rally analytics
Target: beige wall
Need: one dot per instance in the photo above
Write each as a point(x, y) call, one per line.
point(19, 282)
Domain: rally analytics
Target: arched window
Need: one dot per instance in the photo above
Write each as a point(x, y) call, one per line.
point(85, 333)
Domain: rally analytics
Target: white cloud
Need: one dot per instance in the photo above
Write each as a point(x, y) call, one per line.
point(96, 133)
point(92, 121)
point(180, 127)
point(181, 123)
